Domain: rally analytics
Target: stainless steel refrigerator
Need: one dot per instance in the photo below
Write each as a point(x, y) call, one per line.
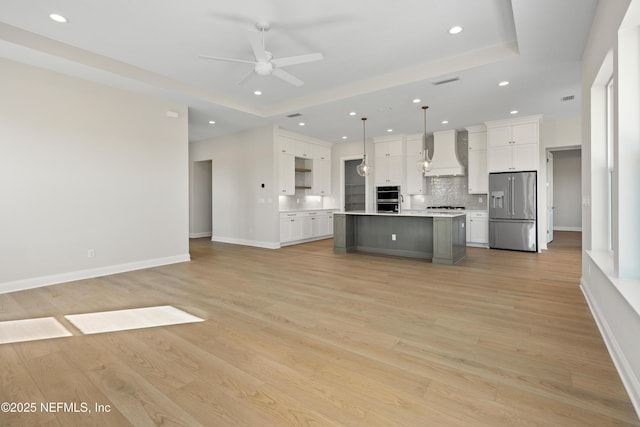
point(512, 211)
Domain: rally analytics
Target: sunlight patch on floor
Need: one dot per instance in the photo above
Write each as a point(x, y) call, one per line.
point(123, 320)
point(31, 330)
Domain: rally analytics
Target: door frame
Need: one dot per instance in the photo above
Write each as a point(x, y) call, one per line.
point(343, 160)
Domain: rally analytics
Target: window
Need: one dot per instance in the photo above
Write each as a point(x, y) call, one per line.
point(610, 164)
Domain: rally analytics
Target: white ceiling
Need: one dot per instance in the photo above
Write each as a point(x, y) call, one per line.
point(378, 57)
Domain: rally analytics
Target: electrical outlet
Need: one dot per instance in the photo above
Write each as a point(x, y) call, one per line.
point(91, 253)
point(480, 199)
point(393, 237)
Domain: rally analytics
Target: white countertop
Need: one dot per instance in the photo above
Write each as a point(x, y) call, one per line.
point(309, 210)
point(425, 213)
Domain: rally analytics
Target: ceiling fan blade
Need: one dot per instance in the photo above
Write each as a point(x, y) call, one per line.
point(246, 77)
point(217, 58)
point(293, 60)
point(281, 74)
point(258, 49)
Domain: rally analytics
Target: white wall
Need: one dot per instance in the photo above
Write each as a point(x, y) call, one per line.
point(615, 303)
point(85, 166)
point(567, 214)
point(243, 211)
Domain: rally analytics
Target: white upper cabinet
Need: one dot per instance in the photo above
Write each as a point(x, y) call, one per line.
point(287, 174)
point(321, 152)
point(477, 155)
point(321, 177)
point(305, 163)
point(389, 162)
point(512, 145)
point(287, 145)
point(415, 178)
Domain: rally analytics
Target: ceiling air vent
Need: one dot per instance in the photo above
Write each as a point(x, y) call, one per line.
point(294, 115)
point(567, 98)
point(442, 82)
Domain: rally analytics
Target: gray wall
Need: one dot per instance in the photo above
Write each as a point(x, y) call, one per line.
point(567, 214)
point(201, 206)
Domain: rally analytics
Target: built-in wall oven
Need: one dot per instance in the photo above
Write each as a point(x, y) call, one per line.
point(388, 199)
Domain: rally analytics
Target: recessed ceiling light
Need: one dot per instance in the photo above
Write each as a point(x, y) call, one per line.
point(503, 83)
point(58, 18)
point(257, 92)
point(455, 30)
point(212, 122)
point(353, 113)
point(301, 124)
point(444, 122)
point(389, 130)
point(344, 137)
point(514, 112)
point(415, 101)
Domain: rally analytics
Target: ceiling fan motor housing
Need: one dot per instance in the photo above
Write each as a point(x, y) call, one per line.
point(264, 68)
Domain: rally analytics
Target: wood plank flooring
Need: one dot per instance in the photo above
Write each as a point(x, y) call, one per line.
point(303, 337)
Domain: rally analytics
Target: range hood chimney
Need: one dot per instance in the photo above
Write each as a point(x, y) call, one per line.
point(444, 161)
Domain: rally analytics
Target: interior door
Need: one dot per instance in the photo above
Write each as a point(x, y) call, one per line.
point(549, 196)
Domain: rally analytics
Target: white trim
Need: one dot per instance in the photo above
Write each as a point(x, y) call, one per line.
point(244, 242)
point(312, 239)
point(38, 282)
point(630, 381)
point(198, 235)
point(562, 228)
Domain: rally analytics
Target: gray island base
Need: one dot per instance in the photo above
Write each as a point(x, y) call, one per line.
point(439, 237)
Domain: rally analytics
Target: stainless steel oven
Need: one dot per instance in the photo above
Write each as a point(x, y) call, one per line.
point(388, 199)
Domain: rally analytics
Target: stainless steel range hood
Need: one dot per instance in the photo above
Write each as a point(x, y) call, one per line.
point(444, 160)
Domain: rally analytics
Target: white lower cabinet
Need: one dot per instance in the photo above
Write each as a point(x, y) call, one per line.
point(301, 226)
point(477, 228)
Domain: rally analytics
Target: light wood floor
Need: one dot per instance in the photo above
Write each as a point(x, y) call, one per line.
point(302, 337)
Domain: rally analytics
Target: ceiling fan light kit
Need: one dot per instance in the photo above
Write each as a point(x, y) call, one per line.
point(265, 64)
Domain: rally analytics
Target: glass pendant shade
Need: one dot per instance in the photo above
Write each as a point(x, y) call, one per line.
point(363, 168)
point(424, 161)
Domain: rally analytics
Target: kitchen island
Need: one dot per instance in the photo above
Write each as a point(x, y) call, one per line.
point(437, 236)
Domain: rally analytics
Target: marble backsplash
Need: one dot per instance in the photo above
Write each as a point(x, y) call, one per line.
point(300, 201)
point(448, 191)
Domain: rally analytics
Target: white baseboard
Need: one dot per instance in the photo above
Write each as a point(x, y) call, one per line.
point(312, 239)
point(630, 381)
point(37, 282)
point(561, 228)
point(244, 242)
point(199, 235)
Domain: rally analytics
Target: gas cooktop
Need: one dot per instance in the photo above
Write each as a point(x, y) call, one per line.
point(447, 208)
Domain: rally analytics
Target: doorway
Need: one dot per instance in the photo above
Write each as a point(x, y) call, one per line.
point(354, 187)
point(202, 204)
point(564, 191)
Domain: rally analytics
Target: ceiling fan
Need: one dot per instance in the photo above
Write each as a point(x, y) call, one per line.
point(265, 64)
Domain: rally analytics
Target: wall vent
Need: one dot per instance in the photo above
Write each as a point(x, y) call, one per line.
point(442, 82)
point(294, 115)
point(567, 98)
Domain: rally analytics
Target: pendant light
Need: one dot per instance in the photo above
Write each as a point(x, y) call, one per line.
point(363, 168)
point(424, 161)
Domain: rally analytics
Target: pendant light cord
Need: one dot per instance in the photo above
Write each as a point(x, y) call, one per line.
point(364, 136)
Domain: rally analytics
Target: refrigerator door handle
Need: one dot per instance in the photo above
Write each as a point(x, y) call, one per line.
point(513, 192)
